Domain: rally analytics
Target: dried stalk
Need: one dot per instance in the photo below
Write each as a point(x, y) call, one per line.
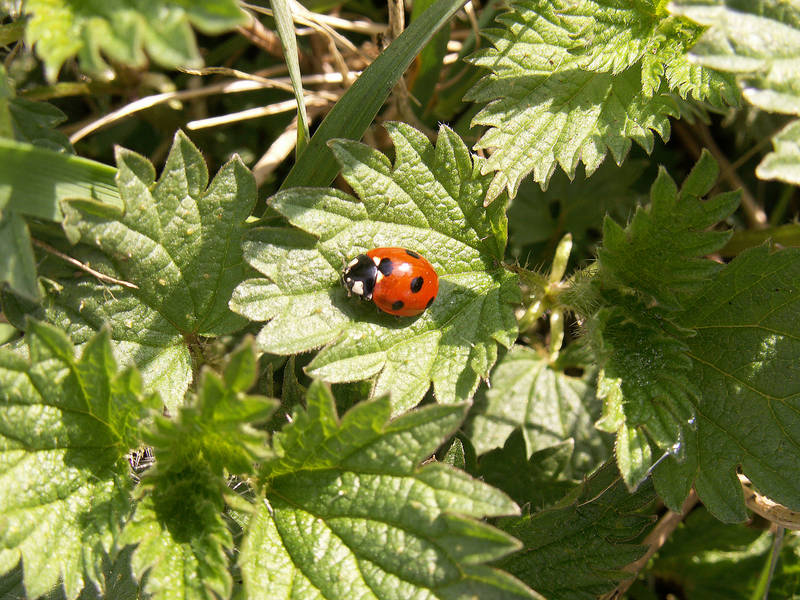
point(76, 263)
point(654, 541)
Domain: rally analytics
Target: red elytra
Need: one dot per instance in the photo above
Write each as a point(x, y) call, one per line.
point(399, 281)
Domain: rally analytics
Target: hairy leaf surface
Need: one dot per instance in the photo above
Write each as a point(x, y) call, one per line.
point(123, 30)
point(179, 242)
point(546, 405)
point(745, 367)
point(139, 335)
point(430, 202)
point(350, 513)
point(576, 551)
point(646, 273)
point(65, 427)
point(182, 538)
point(661, 251)
point(758, 42)
point(572, 80)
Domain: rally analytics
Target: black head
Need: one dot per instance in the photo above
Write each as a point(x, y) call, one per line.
point(359, 276)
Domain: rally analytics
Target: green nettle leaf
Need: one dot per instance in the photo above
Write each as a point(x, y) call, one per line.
point(217, 425)
point(571, 81)
point(178, 525)
point(759, 42)
point(27, 121)
point(140, 335)
point(647, 380)
point(123, 30)
point(66, 425)
point(535, 482)
point(660, 251)
point(645, 384)
point(744, 357)
point(576, 551)
point(179, 241)
point(548, 406)
point(349, 513)
point(431, 202)
point(784, 162)
point(118, 583)
point(575, 207)
point(719, 561)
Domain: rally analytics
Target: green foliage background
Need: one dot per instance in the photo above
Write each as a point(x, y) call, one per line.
point(602, 400)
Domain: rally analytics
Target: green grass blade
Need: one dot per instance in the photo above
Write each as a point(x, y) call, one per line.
point(282, 11)
point(34, 180)
point(353, 113)
point(17, 262)
point(430, 60)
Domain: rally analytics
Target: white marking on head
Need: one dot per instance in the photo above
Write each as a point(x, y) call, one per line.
point(352, 263)
point(358, 288)
point(378, 277)
point(376, 260)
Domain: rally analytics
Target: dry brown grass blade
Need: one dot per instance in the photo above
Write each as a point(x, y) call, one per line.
point(255, 113)
point(76, 263)
point(654, 541)
point(228, 87)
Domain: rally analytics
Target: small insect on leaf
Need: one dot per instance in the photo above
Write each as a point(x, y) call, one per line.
point(400, 282)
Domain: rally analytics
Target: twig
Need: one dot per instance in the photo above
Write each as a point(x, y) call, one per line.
point(469, 9)
point(341, 64)
point(12, 55)
point(317, 23)
point(302, 15)
point(454, 46)
point(755, 149)
point(228, 87)
point(450, 59)
point(253, 113)
point(769, 509)
point(397, 19)
point(279, 83)
point(367, 27)
point(280, 149)
point(654, 541)
point(237, 74)
point(76, 263)
point(755, 215)
point(262, 37)
point(401, 96)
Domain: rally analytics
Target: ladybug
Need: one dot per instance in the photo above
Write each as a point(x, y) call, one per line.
point(399, 281)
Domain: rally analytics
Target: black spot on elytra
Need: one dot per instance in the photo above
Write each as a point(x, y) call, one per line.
point(428, 305)
point(397, 305)
point(386, 266)
point(416, 284)
point(412, 254)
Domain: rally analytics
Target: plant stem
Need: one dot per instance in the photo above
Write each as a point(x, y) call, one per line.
point(777, 543)
point(655, 539)
point(83, 267)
